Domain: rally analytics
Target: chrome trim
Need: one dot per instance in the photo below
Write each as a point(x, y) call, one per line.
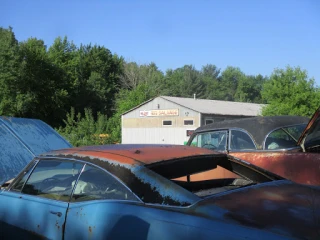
point(287, 126)
point(170, 206)
point(89, 163)
point(110, 200)
point(35, 161)
point(244, 131)
point(75, 185)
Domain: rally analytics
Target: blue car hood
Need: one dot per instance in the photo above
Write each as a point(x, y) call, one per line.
point(21, 140)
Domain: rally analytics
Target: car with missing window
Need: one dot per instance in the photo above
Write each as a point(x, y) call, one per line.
point(286, 145)
point(136, 192)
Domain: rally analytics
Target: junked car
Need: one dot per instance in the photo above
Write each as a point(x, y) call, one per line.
point(286, 145)
point(21, 139)
point(134, 192)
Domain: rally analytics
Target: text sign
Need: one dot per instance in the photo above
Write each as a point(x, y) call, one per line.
point(159, 113)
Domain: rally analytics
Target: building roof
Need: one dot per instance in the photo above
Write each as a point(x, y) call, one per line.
point(207, 106)
point(218, 107)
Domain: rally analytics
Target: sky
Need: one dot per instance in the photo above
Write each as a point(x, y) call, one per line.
point(256, 36)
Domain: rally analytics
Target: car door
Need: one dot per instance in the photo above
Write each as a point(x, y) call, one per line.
point(36, 204)
point(100, 201)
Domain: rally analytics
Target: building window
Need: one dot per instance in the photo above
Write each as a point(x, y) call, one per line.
point(188, 122)
point(167, 123)
point(208, 121)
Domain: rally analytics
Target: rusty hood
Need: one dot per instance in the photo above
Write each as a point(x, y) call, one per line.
point(310, 137)
point(282, 207)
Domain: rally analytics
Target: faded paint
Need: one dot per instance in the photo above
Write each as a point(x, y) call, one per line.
point(148, 186)
point(20, 140)
point(298, 167)
point(281, 207)
point(314, 119)
point(137, 154)
point(272, 210)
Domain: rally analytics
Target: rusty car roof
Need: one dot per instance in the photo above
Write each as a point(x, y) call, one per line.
point(258, 127)
point(135, 154)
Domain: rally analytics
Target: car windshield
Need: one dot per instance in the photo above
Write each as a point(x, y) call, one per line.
point(216, 140)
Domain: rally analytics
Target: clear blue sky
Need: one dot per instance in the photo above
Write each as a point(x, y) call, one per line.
point(254, 35)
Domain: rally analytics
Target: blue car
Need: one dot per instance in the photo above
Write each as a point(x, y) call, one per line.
point(144, 192)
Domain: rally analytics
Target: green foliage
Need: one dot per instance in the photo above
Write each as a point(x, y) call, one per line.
point(44, 84)
point(184, 82)
point(290, 92)
point(36, 82)
point(126, 100)
point(9, 65)
point(249, 89)
point(83, 130)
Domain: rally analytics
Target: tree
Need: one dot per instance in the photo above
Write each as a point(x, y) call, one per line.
point(184, 82)
point(9, 67)
point(290, 92)
point(40, 93)
point(249, 89)
point(126, 100)
point(228, 83)
point(134, 74)
point(210, 76)
point(86, 129)
point(97, 79)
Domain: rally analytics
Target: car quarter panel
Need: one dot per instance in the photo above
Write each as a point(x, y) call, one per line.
point(24, 216)
point(128, 220)
point(298, 167)
point(281, 207)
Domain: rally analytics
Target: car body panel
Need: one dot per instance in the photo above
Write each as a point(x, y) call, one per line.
point(164, 208)
point(257, 127)
point(21, 139)
point(297, 163)
point(134, 154)
point(310, 138)
point(134, 221)
point(277, 206)
point(299, 167)
point(35, 216)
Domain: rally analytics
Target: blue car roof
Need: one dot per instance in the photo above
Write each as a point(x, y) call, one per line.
point(21, 140)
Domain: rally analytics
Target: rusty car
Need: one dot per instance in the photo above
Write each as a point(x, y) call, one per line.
point(133, 192)
point(286, 145)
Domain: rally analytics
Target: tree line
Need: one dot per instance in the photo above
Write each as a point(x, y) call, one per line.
point(83, 90)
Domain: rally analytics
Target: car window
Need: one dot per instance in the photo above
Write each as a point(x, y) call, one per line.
point(215, 140)
point(96, 184)
point(53, 179)
point(241, 141)
point(17, 186)
point(286, 137)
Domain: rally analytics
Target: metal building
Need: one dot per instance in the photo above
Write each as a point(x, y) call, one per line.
point(171, 120)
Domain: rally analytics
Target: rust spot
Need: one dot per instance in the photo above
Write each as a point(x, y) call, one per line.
point(57, 225)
